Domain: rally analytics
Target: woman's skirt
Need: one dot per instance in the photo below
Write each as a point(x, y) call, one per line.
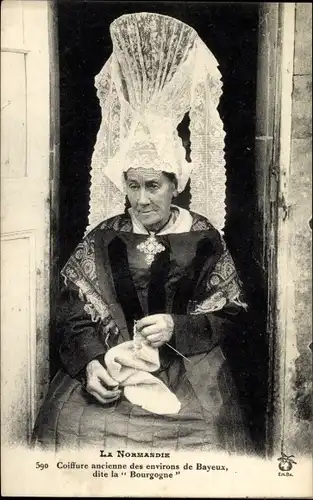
point(210, 418)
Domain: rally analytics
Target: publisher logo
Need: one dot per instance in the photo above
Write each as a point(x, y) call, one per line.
point(286, 462)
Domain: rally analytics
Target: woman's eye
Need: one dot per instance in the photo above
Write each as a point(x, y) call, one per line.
point(132, 186)
point(153, 186)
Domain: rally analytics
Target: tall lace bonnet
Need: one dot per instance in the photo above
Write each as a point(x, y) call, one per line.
point(158, 71)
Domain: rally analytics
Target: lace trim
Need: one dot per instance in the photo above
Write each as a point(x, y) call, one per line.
point(159, 70)
point(207, 136)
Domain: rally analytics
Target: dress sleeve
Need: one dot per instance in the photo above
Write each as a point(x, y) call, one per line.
point(80, 339)
point(219, 309)
point(196, 334)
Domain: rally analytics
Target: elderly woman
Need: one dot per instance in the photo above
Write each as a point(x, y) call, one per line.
point(156, 270)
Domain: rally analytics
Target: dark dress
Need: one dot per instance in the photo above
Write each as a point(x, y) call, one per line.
point(113, 271)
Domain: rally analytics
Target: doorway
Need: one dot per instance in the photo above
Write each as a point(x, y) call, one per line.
point(230, 30)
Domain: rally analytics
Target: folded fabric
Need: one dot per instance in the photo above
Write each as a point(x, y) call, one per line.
point(130, 364)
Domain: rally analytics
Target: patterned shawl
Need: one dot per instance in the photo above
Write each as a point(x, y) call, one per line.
point(223, 287)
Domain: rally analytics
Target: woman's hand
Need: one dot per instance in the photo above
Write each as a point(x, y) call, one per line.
point(97, 378)
point(157, 329)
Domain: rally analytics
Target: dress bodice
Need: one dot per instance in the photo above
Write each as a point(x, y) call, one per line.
point(166, 285)
point(140, 272)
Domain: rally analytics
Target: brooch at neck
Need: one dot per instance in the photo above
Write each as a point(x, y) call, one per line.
point(151, 248)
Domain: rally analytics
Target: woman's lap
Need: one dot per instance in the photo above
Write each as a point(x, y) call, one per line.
point(71, 418)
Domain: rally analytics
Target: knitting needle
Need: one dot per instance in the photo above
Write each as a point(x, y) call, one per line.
point(178, 352)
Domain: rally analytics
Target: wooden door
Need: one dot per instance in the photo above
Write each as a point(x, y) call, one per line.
point(25, 214)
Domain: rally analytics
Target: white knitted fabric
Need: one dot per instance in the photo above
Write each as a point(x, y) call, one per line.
point(159, 70)
point(131, 364)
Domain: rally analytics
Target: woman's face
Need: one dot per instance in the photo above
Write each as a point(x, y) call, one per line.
point(150, 195)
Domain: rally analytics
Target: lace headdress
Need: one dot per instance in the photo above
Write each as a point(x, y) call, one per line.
point(159, 70)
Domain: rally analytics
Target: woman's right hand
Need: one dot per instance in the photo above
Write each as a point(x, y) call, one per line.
point(97, 379)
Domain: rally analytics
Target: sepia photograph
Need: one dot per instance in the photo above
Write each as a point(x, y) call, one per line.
point(156, 249)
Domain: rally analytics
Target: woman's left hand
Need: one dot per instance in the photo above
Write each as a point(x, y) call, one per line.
point(157, 328)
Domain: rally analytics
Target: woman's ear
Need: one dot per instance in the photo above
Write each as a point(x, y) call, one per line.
point(175, 193)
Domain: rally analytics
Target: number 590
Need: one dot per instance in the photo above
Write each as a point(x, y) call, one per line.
point(41, 466)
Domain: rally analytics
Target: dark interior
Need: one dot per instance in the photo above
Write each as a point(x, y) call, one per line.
point(230, 30)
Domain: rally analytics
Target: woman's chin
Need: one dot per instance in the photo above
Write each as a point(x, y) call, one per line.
point(150, 220)
point(149, 217)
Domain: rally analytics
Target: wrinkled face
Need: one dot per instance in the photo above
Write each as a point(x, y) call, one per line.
point(150, 195)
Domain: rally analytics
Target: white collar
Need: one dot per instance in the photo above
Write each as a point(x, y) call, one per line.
point(182, 223)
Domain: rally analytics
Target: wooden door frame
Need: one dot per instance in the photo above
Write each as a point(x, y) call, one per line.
point(54, 163)
point(278, 272)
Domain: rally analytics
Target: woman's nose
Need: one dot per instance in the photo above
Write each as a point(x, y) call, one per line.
point(143, 197)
